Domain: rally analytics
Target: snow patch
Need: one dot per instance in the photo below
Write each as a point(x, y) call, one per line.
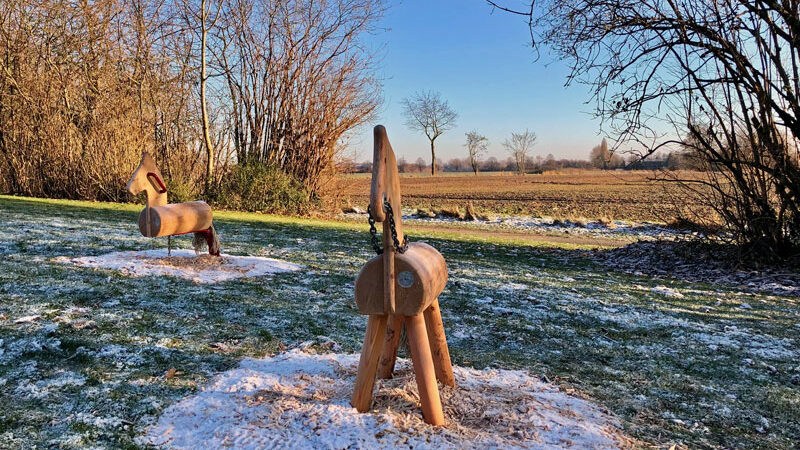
point(302, 400)
point(184, 264)
point(640, 230)
point(28, 319)
point(669, 292)
point(43, 388)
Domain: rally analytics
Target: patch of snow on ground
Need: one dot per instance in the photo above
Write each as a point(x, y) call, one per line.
point(42, 388)
point(180, 264)
point(535, 224)
point(669, 292)
point(302, 400)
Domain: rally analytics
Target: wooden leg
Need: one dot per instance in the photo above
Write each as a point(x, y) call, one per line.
point(390, 344)
point(438, 341)
point(423, 370)
point(368, 364)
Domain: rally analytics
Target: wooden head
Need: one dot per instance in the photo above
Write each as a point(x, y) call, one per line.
point(385, 181)
point(148, 178)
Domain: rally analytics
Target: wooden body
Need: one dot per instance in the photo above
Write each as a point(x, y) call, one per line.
point(177, 218)
point(400, 288)
point(421, 277)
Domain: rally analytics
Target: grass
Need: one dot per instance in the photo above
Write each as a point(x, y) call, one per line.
point(694, 364)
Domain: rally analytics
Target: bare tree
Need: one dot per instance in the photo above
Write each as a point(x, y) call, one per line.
point(195, 14)
point(477, 145)
point(722, 73)
point(298, 79)
point(519, 146)
point(600, 156)
point(427, 112)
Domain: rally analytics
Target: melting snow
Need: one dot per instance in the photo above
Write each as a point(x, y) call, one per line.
point(184, 264)
point(27, 319)
point(669, 292)
point(301, 400)
point(641, 230)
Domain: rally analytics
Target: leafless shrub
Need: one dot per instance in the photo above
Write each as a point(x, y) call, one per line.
point(477, 145)
point(296, 80)
point(519, 146)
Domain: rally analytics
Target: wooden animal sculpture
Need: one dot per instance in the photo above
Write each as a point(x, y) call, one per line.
point(161, 219)
point(400, 286)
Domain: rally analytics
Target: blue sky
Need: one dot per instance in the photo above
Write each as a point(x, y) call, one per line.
point(482, 63)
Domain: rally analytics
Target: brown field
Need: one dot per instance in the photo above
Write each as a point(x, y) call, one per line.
point(591, 194)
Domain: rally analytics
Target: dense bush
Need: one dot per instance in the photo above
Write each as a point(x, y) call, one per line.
point(262, 188)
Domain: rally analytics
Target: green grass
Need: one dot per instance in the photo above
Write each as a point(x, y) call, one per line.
point(118, 210)
point(697, 369)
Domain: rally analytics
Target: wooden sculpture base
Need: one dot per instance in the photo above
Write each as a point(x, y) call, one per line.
point(429, 355)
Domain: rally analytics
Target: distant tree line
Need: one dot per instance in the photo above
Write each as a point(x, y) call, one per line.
point(600, 157)
point(536, 164)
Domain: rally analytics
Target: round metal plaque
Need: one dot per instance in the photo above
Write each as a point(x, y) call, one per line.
point(405, 279)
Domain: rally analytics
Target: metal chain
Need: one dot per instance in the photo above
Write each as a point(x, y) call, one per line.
point(390, 217)
point(392, 227)
point(376, 243)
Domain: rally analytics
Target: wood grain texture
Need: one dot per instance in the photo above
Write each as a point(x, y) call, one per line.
point(394, 329)
point(438, 342)
point(424, 268)
point(176, 218)
point(377, 187)
point(368, 364)
point(400, 288)
point(424, 370)
point(386, 186)
point(389, 272)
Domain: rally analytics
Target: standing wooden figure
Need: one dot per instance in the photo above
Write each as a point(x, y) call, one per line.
point(161, 219)
point(400, 286)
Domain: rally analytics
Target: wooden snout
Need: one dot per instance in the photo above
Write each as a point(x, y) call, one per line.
point(176, 218)
point(421, 274)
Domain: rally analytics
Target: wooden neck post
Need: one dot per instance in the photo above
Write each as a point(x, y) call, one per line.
point(386, 187)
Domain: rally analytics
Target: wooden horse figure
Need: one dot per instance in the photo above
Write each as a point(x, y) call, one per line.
point(161, 219)
point(400, 286)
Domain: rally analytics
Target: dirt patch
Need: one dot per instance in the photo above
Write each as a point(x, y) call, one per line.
point(199, 262)
point(628, 195)
point(525, 236)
